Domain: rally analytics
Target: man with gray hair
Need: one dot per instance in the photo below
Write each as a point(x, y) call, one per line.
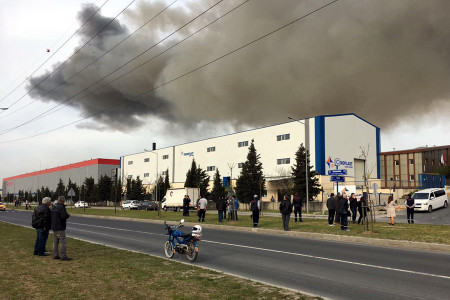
point(41, 221)
point(59, 217)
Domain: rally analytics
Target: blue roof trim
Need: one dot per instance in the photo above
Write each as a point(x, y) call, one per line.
point(350, 114)
point(319, 123)
point(378, 152)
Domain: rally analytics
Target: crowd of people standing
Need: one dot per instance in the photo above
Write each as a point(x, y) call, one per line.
point(340, 208)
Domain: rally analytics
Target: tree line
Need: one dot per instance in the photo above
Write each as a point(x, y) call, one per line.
point(251, 180)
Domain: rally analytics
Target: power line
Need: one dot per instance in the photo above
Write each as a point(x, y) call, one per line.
point(51, 56)
point(136, 57)
point(72, 55)
point(185, 74)
point(94, 61)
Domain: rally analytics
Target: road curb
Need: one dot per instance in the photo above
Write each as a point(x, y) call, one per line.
point(309, 235)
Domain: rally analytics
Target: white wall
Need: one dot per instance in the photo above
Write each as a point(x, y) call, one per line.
point(344, 135)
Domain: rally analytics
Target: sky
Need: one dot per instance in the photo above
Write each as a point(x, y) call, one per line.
point(84, 80)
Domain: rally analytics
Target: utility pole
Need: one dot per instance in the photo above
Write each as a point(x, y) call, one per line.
point(231, 166)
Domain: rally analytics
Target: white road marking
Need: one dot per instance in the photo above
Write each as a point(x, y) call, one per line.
point(330, 259)
point(285, 252)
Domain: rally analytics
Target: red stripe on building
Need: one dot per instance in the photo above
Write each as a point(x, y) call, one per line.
point(98, 161)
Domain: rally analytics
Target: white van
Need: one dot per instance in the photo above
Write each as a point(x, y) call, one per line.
point(429, 199)
point(174, 198)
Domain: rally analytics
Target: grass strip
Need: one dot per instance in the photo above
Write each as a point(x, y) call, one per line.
point(99, 272)
point(439, 234)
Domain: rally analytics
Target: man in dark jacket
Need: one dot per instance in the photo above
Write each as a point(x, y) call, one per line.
point(220, 206)
point(298, 204)
point(186, 202)
point(59, 218)
point(343, 211)
point(353, 206)
point(285, 210)
point(41, 221)
point(331, 205)
point(410, 203)
point(255, 207)
point(338, 214)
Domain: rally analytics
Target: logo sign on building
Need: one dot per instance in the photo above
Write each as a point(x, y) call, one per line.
point(338, 178)
point(337, 172)
point(338, 163)
point(187, 153)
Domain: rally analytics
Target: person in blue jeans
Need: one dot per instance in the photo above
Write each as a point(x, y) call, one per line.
point(220, 206)
point(41, 221)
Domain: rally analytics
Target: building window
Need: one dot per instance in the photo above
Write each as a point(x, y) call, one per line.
point(283, 137)
point(130, 162)
point(130, 176)
point(211, 149)
point(240, 165)
point(432, 162)
point(146, 174)
point(397, 177)
point(210, 168)
point(283, 161)
point(396, 162)
point(146, 159)
point(165, 156)
point(164, 173)
point(411, 161)
point(243, 144)
point(411, 177)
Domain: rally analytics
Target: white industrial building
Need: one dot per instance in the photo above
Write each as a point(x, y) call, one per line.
point(335, 142)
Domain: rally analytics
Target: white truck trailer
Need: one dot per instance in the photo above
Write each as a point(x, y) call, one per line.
point(174, 198)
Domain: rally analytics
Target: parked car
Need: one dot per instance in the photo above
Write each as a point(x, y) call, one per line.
point(148, 205)
point(2, 206)
point(81, 204)
point(429, 199)
point(130, 204)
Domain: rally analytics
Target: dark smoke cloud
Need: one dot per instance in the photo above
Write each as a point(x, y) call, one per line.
point(387, 61)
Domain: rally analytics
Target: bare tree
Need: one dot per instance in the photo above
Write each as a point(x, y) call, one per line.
point(366, 176)
point(284, 180)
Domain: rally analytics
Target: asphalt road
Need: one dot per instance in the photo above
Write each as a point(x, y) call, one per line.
point(327, 268)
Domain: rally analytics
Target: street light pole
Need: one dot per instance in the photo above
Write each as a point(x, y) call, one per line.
point(306, 165)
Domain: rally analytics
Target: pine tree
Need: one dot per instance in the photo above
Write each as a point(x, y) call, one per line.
point(129, 190)
point(104, 188)
point(218, 188)
point(190, 176)
point(251, 181)
point(197, 178)
point(160, 192)
point(90, 190)
point(116, 191)
point(166, 182)
point(60, 188)
point(298, 173)
point(137, 189)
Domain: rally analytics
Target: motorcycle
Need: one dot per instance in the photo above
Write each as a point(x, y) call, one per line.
point(182, 243)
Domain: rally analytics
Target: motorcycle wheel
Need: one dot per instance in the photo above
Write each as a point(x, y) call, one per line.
point(191, 254)
point(168, 249)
